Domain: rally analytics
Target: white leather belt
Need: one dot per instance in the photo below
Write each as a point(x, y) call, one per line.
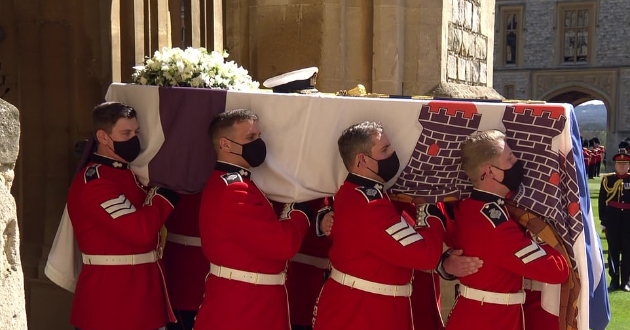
point(369, 286)
point(321, 263)
point(517, 298)
point(248, 277)
point(117, 260)
point(183, 239)
point(532, 285)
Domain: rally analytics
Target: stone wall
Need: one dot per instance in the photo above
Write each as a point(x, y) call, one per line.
point(519, 79)
point(623, 117)
point(467, 45)
point(539, 34)
point(391, 47)
point(12, 304)
point(540, 75)
point(612, 45)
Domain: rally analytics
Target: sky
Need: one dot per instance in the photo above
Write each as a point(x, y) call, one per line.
point(592, 102)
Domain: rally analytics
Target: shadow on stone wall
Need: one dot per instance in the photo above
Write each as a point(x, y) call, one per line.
point(3, 78)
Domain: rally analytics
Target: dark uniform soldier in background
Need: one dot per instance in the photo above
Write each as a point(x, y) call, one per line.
point(614, 214)
point(117, 222)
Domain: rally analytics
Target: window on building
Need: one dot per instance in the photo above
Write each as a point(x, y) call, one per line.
point(511, 38)
point(508, 92)
point(576, 22)
point(511, 43)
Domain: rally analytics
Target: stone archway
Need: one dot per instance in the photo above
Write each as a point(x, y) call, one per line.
point(577, 94)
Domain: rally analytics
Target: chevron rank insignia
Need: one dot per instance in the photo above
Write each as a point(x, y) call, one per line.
point(229, 178)
point(403, 233)
point(117, 207)
point(494, 213)
point(370, 193)
point(530, 253)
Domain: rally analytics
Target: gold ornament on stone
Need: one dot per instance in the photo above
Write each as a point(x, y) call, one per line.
point(359, 91)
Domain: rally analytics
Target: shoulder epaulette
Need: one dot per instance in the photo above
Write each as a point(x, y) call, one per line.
point(231, 178)
point(91, 173)
point(605, 179)
point(494, 213)
point(370, 193)
point(424, 211)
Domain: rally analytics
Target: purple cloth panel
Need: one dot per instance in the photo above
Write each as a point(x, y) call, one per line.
point(187, 158)
point(90, 148)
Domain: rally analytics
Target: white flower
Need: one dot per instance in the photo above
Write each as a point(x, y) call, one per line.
point(194, 67)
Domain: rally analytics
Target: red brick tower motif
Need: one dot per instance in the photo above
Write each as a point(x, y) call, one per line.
point(550, 186)
point(433, 173)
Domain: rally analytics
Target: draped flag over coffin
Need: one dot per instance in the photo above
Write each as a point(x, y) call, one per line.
point(303, 163)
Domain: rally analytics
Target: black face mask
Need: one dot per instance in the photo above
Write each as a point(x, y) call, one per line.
point(127, 150)
point(253, 152)
point(512, 177)
point(387, 167)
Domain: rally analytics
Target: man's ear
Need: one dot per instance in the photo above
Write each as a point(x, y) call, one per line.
point(358, 159)
point(101, 136)
point(224, 144)
point(486, 170)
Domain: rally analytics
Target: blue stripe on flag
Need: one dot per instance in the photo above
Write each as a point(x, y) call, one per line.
point(599, 306)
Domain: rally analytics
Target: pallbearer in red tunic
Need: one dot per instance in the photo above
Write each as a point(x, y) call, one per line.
point(247, 245)
point(117, 223)
point(375, 249)
point(425, 299)
point(308, 268)
point(493, 297)
point(186, 266)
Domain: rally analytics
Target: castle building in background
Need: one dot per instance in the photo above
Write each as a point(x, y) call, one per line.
point(566, 51)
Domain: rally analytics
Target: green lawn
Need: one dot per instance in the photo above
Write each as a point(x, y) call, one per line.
point(619, 300)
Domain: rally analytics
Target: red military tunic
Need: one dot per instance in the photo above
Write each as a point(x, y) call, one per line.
point(485, 230)
point(598, 155)
point(425, 299)
point(373, 242)
point(587, 157)
point(186, 266)
point(306, 271)
point(112, 215)
point(240, 230)
point(537, 318)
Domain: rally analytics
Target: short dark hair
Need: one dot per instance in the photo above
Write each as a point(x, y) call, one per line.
point(222, 124)
point(107, 114)
point(357, 139)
